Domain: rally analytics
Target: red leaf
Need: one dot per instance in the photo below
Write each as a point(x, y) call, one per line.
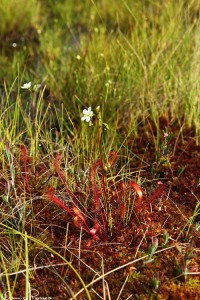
point(138, 190)
point(158, 192)
point(57, 201)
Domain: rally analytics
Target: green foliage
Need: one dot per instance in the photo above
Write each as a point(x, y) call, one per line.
point(133, 56)
point(18, 16)
point(152, 248)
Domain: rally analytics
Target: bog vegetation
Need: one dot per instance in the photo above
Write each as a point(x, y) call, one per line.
point(99, 149)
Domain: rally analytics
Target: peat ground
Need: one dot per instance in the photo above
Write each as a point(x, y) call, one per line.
point(167, 222)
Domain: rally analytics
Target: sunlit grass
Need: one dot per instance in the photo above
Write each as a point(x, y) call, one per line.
point(141, 60)
point(18, 17)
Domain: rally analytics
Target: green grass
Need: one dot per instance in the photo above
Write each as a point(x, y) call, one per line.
point(140, 62)
point(141, 58)
point(18, 17)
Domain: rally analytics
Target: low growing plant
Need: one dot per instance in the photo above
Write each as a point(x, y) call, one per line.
point(106, 208)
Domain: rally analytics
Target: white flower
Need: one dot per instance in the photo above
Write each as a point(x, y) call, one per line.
point(26, 86)
point(165, 135)
point(87, 114)
point(98, 108)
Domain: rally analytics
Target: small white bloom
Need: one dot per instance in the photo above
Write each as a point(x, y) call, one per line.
point(165, 135)
point(14, 45)
point(78, 57)
point(87, 114)
point(98, 108)
point(26, 86)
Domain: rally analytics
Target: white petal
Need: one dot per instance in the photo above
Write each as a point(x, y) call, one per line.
point(87, 119)
point(26, 85)
point(85, 111)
